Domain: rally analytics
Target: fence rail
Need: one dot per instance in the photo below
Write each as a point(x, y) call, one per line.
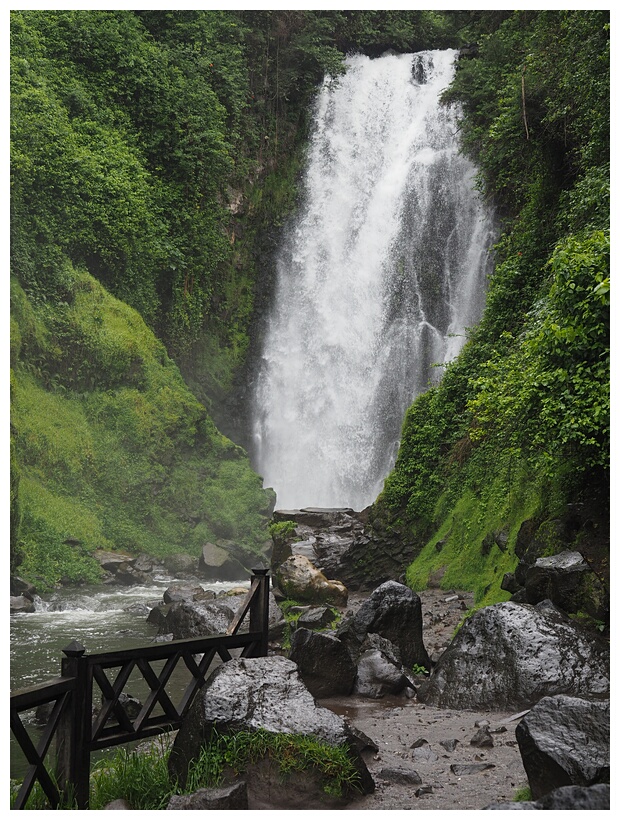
point(81, 726)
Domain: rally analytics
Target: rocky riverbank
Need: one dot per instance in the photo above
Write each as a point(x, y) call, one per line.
point(426, 759)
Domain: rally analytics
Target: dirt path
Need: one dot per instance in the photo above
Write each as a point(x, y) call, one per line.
point(421, 748)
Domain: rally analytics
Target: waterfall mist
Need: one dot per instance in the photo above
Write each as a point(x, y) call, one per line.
point(379, 275)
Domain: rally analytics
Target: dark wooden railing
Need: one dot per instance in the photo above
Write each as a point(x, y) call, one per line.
point(80, 726)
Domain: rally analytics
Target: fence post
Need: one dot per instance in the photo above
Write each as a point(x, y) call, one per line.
point(259, 609)
point(73, 755)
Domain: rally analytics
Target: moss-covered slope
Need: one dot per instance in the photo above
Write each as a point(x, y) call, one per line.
point(110, 447)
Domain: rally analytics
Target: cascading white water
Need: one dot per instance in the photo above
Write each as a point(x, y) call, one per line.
point(379, 276)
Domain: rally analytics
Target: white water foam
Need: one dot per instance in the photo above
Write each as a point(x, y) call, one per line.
point(382, 271)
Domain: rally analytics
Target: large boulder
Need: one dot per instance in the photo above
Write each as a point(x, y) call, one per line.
point(181, 565)
point(216, 564)
point(194, 619)
point(197, 615)
point(324, 663)
point(509, 655)
point(264, 694)
point(564, 741)
point(300, 580)
point(392, 611)
point(20, 603)
point(567, 581)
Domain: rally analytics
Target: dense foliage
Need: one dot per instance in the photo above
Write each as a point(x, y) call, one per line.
point(519, 426)
point(153, 157)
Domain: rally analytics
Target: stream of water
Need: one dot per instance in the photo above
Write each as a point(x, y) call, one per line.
point(380, 274)
point(100, 618)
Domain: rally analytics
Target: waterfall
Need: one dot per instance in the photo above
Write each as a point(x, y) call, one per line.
point(378, 277)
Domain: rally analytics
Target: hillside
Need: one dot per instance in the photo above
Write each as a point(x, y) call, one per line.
point(154, 158)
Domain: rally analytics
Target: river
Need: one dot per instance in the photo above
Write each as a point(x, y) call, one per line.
point(101, 618)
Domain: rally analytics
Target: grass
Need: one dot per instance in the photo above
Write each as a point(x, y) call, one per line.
point(143, 779)
point(501, 504)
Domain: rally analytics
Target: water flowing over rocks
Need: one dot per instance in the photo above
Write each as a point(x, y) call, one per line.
point(268, 694)
point(378, 276)
point(565, 741)
point(510, 655)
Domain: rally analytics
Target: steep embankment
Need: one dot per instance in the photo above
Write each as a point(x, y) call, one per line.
point(111, 449)
point(508, 458)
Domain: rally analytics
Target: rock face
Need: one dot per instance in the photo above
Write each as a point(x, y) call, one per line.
point(300, 580)
point(565, 741)
point(392, 611)
point(323, 536)
point(262, 693)
point(509, 655)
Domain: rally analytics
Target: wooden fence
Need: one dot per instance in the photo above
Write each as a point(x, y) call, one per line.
point(79, 726)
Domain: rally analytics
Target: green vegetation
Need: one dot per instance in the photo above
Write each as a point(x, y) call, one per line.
point(519, 426)
point(113, 449)
point(154, 157)
point(142, 778)
point(523, 794)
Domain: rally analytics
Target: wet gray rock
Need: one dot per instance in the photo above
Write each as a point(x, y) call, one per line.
point(324, 663)
point(20, 587)
point(111, 561)
point(401, 775)
point(191, 619)
point(233, 797)
point(217, 564)
point(482, 738)
point(127, 575)
point(379, 669)
point(509, 655)
point(565, 741)
point(181, 565)
point(567, 580)
point(21, 604)
point(268, 694)
point(186, 592)
point(566, 798)
point(316, 618)
point(392, 611)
